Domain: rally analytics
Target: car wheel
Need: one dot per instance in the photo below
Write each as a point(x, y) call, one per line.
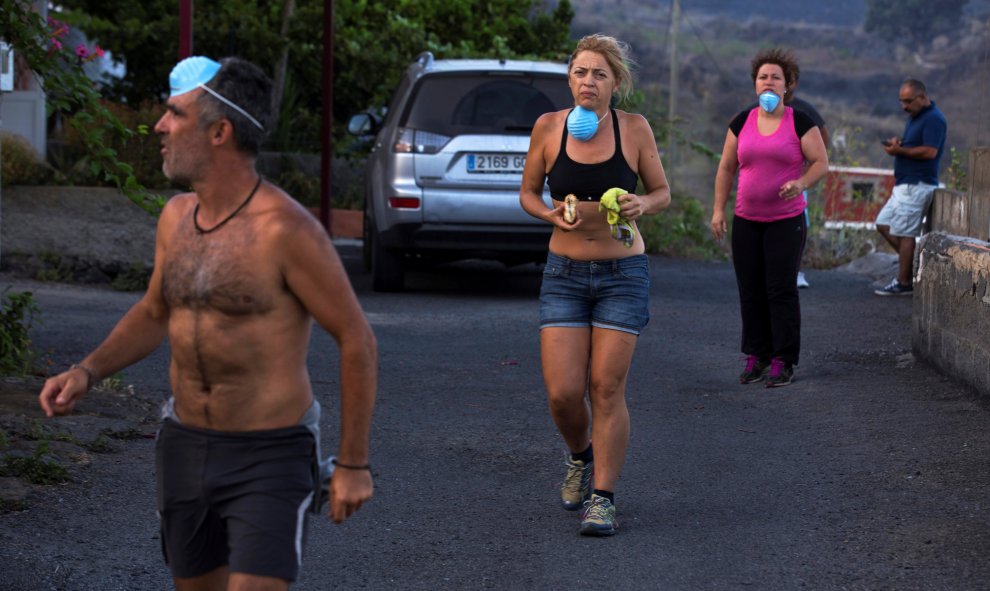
point(387, 273)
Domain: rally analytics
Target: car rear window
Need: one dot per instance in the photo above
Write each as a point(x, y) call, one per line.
point(456, 104)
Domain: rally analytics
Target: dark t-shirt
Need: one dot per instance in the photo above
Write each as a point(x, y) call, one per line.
point(928, 128)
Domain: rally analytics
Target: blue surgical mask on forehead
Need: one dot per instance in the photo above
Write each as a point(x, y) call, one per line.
point(194, 72)
point(769, 101)
point(582, 123)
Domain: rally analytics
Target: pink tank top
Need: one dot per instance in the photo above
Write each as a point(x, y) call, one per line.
point(765, 163)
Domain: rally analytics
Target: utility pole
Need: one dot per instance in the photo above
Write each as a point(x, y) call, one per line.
point(185, 28)
point(326, 154)
point(675, 25)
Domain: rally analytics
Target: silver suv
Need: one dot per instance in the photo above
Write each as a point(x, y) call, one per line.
point(443, 176)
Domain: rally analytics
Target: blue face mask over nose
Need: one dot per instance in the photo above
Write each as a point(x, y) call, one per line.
point(769, 101)
point(582, 123)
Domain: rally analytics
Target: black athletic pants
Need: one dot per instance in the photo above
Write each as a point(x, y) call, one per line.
point(767, 256)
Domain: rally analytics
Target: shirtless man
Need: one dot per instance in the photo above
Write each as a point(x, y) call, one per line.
point(241, 269)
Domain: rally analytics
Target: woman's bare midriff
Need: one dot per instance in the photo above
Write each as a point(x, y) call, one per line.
point(592, 240)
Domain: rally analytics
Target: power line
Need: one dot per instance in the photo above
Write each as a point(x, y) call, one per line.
point(704, 46)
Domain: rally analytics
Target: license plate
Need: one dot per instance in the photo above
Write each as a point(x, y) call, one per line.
point(498, 163)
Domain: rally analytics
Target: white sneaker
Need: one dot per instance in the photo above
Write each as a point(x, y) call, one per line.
point(802, 282)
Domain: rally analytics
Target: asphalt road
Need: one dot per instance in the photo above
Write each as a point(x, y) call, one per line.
point(870, 471)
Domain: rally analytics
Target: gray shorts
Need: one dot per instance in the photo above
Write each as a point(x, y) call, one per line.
point(234, 498)
point(906, 208)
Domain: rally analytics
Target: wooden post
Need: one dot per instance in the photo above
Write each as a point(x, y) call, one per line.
point(326, 155)
point(978, 211)
point(185, 28)
point(671, 157)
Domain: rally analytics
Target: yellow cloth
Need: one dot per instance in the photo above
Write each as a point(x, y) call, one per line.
point(622, 230)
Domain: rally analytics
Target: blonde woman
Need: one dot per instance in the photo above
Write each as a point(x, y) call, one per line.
point(594, 300)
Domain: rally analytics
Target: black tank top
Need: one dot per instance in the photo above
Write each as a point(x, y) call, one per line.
point(588, 181)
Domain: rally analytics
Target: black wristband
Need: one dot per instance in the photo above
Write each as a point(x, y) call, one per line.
point(351, 466)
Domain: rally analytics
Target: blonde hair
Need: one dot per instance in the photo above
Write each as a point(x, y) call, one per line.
point(616, 53)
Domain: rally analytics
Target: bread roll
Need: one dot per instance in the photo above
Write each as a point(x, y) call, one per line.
point(570, 209)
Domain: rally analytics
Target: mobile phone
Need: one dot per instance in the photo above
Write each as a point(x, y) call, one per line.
point(886, 142)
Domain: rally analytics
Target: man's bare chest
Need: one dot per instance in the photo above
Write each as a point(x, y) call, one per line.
point(226, 272)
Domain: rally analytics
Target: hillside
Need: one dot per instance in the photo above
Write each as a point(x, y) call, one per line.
point(850, 76)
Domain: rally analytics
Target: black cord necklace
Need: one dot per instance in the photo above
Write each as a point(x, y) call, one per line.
point(229, 217)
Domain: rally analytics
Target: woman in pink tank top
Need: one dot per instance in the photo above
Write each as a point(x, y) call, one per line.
point(777, 153)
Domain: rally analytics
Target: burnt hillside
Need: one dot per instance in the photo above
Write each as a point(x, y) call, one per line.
point(851, 77)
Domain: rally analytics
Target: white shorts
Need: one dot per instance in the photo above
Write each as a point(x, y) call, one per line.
point(906, 208)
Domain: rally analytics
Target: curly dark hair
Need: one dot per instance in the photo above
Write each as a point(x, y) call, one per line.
point(779, 57)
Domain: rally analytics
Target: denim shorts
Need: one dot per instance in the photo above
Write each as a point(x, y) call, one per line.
point(613, 294)
point(906, 209)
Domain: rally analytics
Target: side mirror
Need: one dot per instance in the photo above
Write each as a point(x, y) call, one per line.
point(362, 125)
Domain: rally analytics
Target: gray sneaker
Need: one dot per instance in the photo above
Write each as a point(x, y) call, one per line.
point(599, 517)
point(577, 484)
point(895, 288)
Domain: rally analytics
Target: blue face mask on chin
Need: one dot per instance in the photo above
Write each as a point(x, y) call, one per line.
point(769, 101)
point(582, 123)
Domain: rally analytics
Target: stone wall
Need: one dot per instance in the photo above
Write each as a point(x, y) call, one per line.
point(951, 315)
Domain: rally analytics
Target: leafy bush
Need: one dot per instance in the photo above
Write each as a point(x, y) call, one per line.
point(17, 314)
point(299, 176)
point(35, 469)
point(69, 91)
point(75, 163)
point(133, 278)
point(304, 187)
point(681, 230)
point(20, 164)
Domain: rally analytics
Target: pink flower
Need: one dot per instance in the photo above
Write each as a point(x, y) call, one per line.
point(81, 50)
point(56, 45)
point(97, 51)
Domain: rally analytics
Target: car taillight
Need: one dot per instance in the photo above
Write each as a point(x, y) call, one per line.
point(419, 142)
point(403, 202)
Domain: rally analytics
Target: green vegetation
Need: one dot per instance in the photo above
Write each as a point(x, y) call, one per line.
point(35, 468)
point(913, 22)
point(72, 97)
point(955, 177)
point(366, 69)
point(36, 432)
point(12, 506)
point(18, 312)
point(681, 230)
point(133, 278)
point(73, 164)
point(56, 269)
point(100, 445)
point(20, 164)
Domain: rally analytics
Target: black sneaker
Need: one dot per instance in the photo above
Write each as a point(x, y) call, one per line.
point(780, 374)
point(895, 288)
point(755, 369)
